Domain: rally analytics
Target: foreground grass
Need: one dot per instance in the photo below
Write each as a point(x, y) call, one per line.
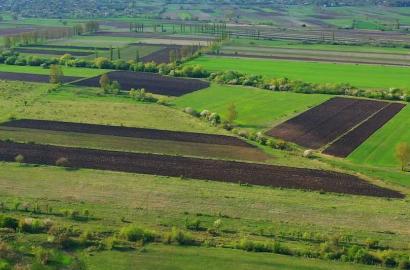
point(366, 76)
point(163, 257)
point(379, 149)
point(162, 202)
point(68, 71)
point(256, 108)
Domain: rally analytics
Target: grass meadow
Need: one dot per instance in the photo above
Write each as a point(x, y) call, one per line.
point(364, 76)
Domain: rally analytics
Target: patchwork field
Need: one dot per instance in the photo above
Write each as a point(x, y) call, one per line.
point(366, 76)
point(379, 149)
point(152, 82)
point(27, 77)
point(257, 109)
point(325, 123)
point(216, 170)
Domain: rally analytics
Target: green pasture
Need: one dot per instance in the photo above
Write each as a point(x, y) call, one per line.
point(257, 109)
point(365, 76)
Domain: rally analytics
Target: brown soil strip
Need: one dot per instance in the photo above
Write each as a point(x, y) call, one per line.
point(66, 47)
point(153, 83)
point(51, 52)
point(155, 134)
point(349, 142)
point(217, 170)
point(325, 123)
point(26, 77)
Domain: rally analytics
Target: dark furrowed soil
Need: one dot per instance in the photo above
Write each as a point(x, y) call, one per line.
point(49, 46)
point(349, 142)
point(51, 52)
point(325, 123)
point(128, 132)
point(26, 77)
point(153, 83)
point(161, 56)
point(217, 170)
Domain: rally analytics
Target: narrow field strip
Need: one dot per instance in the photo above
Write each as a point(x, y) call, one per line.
point(120, 131)
point(353, 139)
point(39, 78)
point(194, 168)
point(51, 52)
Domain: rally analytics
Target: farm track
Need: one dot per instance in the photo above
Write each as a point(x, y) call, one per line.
point(326, 122)
point(119, 131)
point(346, 60)
point(51, 52)
point(27, 77)
point(153, 83)
point(194, 168)
point(344, 146)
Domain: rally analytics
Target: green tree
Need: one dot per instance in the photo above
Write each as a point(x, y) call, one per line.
point(105, 82)
point(111, 53)
point(56, 74)
point(232, 113)
point(119, 53)
point(403, 154)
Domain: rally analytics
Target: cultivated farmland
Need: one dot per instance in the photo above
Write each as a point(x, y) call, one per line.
point(194, 168)
point(154, 83)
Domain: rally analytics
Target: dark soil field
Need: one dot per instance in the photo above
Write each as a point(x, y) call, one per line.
point(153, 83)
point(325, 123)
point(51, 52)
point(227, 171)
point(349, 142)
point(49, 46)
point(26, 77)
point(127, 132)
point(160, 56)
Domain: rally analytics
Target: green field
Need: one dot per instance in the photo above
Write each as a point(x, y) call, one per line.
point(95, 41)
point(257, 109)
point(365, 76)
point(162, 257)
point(68, 71)
point(379, 149)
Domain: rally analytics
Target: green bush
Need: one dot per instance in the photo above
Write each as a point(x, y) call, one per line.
point(179, 237)
point(134, 233)
point(8, 222)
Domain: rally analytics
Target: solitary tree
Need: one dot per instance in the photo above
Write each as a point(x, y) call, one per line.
point(56, 74)
point(111, 53)
point(105, 82)
point(232, 113)
point(119, 53)
point(403, 154)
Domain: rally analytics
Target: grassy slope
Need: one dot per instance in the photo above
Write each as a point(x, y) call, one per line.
point(68, 71)
point(162, 202)
point(366, 76)
point(379, 149)
point(256, 108)
point(162, 257)
point(69, 104)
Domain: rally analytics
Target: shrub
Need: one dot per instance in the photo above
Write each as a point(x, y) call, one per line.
point(404, 264)
point(134, 233)
point(8, 222)
point(19, 158)
point(43, 256)
point(193, 225)
point(62, 237)
point(63, 162)
point(179, 237)
point(191, 111)
point(32, 225)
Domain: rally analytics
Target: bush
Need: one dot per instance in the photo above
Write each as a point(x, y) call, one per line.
point(404, 264)
point(32, 225)
point(19, 158)
point(191, 111)
point(8, 222)
point(193, 225)
point(179, 237)
point(134, 233)
point(63, 162)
